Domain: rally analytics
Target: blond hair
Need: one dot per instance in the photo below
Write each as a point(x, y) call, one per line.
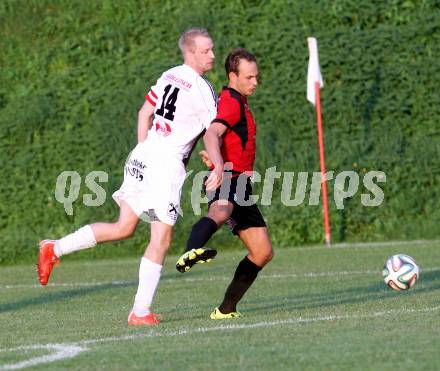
point(186, 40)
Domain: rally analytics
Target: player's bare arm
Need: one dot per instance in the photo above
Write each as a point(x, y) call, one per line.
point(205, 158)
point(145, 120)
point(213, 141)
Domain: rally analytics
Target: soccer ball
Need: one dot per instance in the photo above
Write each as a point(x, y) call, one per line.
point(400, 272)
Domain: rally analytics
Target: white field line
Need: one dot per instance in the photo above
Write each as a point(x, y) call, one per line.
point(69, 350)
point(384, 244)
point(209, 279)
point(343, 245)
point(351, 245)
point(59, 352)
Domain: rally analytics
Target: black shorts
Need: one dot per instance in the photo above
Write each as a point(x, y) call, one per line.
point(246, 213)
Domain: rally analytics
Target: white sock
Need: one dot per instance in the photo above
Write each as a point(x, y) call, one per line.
point(149, 275)
point(83, 238)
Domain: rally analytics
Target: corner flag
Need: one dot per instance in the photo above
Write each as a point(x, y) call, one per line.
point(313, 72)
point(314, 83)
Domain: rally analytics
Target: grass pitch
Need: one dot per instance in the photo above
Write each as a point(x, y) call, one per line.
point(311, 308)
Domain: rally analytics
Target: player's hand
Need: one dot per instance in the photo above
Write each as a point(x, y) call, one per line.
point(214, 180)
point(205, 158)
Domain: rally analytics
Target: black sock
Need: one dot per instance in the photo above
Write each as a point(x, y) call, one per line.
point(201, 232)
point(244, 276)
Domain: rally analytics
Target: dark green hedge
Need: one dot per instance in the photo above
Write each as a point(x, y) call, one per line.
point(74, 73)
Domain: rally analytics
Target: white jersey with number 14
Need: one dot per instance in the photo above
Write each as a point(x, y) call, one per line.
point(185, 104)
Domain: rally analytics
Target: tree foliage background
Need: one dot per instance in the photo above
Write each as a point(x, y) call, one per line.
point(74, 74)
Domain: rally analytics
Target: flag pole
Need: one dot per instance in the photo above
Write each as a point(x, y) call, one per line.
point(327, 232)
point(314, 83)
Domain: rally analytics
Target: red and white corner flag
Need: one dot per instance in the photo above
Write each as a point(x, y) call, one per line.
point(314, 83)
point(313, 72)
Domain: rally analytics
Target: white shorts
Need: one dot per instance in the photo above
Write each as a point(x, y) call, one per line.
point(152, 186)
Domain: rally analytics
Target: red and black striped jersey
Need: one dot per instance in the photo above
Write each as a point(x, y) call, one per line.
point(238, 145)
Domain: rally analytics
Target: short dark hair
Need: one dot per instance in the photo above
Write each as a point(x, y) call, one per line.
point(234, 57)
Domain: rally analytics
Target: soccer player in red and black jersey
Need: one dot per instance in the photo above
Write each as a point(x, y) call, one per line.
point(230, 140)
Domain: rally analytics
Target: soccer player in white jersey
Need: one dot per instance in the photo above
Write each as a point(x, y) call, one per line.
point(177, 109)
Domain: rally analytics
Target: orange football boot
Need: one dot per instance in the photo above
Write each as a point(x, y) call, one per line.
point(46, 260)
point(149, 320)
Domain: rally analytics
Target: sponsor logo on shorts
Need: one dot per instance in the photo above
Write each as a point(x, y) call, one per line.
point(173, 210)
point(134, 172)
point(135, 163)
point(134, 168)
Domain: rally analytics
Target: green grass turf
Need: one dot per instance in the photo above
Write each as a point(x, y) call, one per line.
point(311, 308)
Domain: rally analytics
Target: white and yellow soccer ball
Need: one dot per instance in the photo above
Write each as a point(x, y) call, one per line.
point(400, 272)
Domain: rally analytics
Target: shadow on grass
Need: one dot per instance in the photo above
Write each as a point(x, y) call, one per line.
point(68, 294)
point(64, 295)
point(429, 281)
